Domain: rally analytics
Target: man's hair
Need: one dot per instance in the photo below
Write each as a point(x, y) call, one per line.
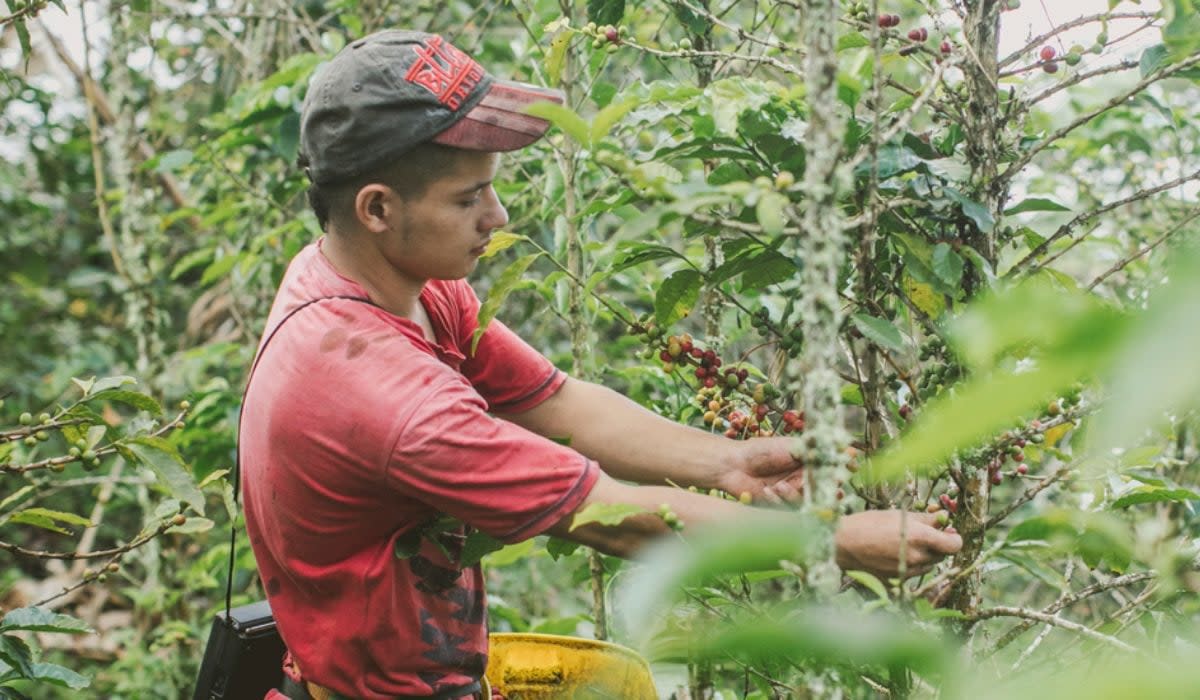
point(409, 176)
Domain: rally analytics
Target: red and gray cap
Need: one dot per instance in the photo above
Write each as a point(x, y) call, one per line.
point(384, 94)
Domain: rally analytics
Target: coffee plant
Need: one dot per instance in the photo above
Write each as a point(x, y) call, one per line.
point(952, 257)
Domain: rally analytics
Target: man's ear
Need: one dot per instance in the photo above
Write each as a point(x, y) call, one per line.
point(373, 207)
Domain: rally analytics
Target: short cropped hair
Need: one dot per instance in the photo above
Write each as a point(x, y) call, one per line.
point(409, 177)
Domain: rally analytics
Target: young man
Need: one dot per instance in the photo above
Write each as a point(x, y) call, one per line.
point(374, 440)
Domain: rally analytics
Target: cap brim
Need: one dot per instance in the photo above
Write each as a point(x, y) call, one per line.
point(499, 122)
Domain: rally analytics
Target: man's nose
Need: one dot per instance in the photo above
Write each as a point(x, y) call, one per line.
point(497, 215)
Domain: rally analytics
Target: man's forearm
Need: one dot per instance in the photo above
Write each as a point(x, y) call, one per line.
point(629, 442)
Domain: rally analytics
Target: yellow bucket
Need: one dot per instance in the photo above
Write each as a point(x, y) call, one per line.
point(551, 666)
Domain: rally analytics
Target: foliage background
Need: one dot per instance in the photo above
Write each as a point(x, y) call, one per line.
point(151, 206)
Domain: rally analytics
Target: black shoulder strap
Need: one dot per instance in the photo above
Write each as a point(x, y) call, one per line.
point(237, 466)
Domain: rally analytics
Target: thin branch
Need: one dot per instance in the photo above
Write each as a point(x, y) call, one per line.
point(1066, 228)
point(1080, 77)
point(1146, 249)
point(1067, 601)
point(1160, 74)
point(1005, 611)
point(1028, 495)
point(1078, 22)
point(25, 13)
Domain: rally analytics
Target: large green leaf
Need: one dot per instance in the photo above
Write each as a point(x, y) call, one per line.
point(815, 637)
point(947, 264)
point(1154, 494)
point(973, 210)
point(564, 118)
point(605, 11)
point(162, 459)
point(60, 676)
point(676, 297)
point(34, 619)
point(605, 514)
point(879, 331)
point(48, 519)
point(1035, 204)
point(500, 290)
point(135, 399)
point(752, 544)
point(15, 652)
point(1181, 31)
point(1158, 369)
point(1063, 339)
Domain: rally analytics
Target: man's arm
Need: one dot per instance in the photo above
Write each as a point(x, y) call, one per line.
point(868, 541)
point(634, 444)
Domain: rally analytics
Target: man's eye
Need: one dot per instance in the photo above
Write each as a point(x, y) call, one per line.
point(471, 202)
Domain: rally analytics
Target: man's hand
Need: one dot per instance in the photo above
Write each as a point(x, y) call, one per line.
point(766, 469)
point(870, 541)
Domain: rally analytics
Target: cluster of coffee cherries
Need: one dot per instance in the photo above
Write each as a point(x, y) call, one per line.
point(607, 36)
point(791, 341)
point(728, 401)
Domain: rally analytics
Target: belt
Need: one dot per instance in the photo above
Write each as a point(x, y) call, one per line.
point(311, 691)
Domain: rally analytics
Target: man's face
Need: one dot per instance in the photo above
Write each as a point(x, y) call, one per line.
point(441, 234)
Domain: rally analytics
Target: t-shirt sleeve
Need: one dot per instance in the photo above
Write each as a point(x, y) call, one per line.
point(487, 472)
point(509, 374)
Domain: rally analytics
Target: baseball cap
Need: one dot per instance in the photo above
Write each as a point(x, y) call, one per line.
point(385, 93)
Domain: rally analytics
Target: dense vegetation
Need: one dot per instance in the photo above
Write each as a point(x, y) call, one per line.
point(965, 277)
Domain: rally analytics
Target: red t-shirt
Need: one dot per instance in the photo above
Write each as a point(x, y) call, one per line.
point(356, 434)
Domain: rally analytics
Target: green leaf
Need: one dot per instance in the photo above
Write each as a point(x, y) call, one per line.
point(1181, 32)
point(852, 40)
point(15, 652)
point(115, 382)
point(219, 268)
point(558, 548)
point(893, 160)
point(500, 290)
point(501, 241)
point(605, 11)
point(771, 213)
point(731, 97)
point(635, 253)
point(16, 496)
point(85, 385)
point(173, 160)
point(609, 116)
point(676, 297)
point(193, 525)
point(556, 57)
point(606, 514)
point(736, 547)
point(168, 466)
point(1074, 336)
point(947, 264)
point(1035, 204)
point(510, 554)
point(34, 619)
point(1154, 494)
point(60, 676)
point(1154, 375)
point(879, 331)
point(477, 546)
point(972, 210)
point(135, 399)
point(564, 118)
point(48, 519)
point(765, 269)
point(873, 584)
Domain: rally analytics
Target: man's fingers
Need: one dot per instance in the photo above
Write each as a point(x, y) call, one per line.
point(771, 497)
point(942, 542)
point(937, 540)
point(786, 491)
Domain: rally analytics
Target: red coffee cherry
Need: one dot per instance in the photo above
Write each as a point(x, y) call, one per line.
point(1048, 53)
